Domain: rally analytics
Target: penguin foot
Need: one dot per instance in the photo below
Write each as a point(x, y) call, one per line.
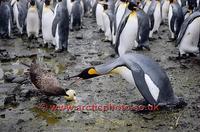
point(140, 102)
point(58, 51)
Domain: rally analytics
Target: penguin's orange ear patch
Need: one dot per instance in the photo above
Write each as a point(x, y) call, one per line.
point(92, 71)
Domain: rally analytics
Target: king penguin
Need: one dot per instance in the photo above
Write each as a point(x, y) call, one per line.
point(108, 19)
point(189, 36)
point(5, 19)
point(146, 5)
point(33, 21)
point(20, 9)
point(165, 9)
point(133, 30)
point(99, 16)
point(175, 18)
point(76, 16)
point(60, 27)
point(142, 72)
point(47, 20)
point(154, 13)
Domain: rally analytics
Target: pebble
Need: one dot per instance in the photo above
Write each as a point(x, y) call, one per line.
point(19, 80)
point(8, 77)
point(10, 100)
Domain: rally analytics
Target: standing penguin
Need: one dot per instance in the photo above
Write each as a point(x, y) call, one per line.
point(165, 9)
point(108, 18)
point(33, 22)
point(120, 10)
point(76, 16)
point(189, 36)
point(142, 72)
point(47, 20)
point(60, 27)
point(5, 19)
point(69, 5)
point(20, 12)
point(99, 17)
point(175, 18)
point(146, 5)
point(133, 30)
point(154, 13)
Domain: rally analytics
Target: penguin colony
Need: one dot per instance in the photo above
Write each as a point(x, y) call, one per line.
point(127, 25)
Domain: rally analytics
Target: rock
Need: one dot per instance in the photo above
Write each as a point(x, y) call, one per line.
point(79, 36)
point(20, 121)
point(10, 100)
point(94, 63)
point(1, 74)
point(2, 115)
point(8, 77)
point(19, 80)
point(8, 88)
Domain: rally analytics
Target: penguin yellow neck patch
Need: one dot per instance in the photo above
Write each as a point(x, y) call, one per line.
point(133, 14)
point(92, 71)
point(117, 70)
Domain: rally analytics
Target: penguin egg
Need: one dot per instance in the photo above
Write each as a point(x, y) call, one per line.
point(70, 95)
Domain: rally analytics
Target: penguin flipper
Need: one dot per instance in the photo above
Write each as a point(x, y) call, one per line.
point(119, 31)
point(54, 25)
point(185, 24)
point(139, 78)
point(150, 13)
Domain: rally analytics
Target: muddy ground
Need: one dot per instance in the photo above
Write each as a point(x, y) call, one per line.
point(19, 100)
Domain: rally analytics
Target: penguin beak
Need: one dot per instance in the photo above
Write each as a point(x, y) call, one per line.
point(76, 79)
point(73, 77)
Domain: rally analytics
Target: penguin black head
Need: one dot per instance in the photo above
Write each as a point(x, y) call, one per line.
point(124, 0)
point(32, 3)
point(86, 74)
point(59, 0)
point(47, 2)
point(132, 6)
point(105, 6)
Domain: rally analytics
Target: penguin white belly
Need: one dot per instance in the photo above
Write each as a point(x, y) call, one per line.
point(16, 14)
point(9, 27)
point(47, 20)
point(165, 10)
point(169, 21)
point(106, 21)
point(157, 18)
point(120, 13)
point(179, 2)
point(154, 90)
point(125, 73)
point(99, 16)
point(57, 39)
point(189, 42)
point(129, 34)
point(69, 6)
point(128, 76)
point(33, 22)
point(146, 7)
